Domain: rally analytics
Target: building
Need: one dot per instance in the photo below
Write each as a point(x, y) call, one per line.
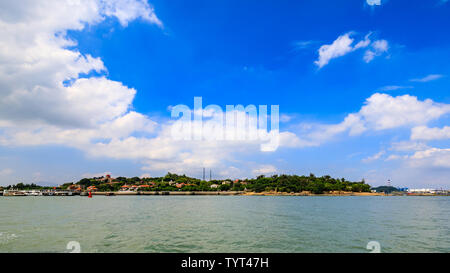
point(92, 188)
point(106, 179)
point(422, 191)
point(179, 185)
point(124, 188)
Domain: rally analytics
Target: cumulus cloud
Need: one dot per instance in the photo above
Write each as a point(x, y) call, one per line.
point(431, 158)
point(340, 47)
point(40, 69)
point(343, 46)
point(379, 112)
point(426, 133)
point(383, 111)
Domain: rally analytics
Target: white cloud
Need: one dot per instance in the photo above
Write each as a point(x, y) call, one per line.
point(291, 140)
point(424, 167)
point(129, 10)
point(374, 157)
point(145, 175)
point(386, 112)
point(300, 45)
point(285, 118)
point(426, 133)
point(380, 112)
point(393, 157)
point(431, 77)
point(36, 57)
point(340, 47)
point(363, 43)
point(100, 174)
point(408, 146)
point(374, 2)
point(264, 170)
point(343, 45)
point(6, 172)
point(431, 158)
point(378, 48)
point(394, 87)
point(320, 133)
point(81, 138)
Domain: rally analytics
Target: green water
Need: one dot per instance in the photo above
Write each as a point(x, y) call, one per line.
point(224, 224)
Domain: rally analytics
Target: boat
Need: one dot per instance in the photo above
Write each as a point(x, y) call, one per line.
point(63, 193)
point(109, 194)
point(33, 193)
point(13, 193)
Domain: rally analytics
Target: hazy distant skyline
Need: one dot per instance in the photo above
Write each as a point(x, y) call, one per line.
point(86, 87)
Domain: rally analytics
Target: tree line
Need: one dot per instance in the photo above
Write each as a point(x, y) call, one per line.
point(174, 182)
point(278, 183)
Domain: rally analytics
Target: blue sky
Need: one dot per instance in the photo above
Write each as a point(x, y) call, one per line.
point(320, 61)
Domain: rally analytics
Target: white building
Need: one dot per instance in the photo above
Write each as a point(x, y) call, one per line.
point(421, 191)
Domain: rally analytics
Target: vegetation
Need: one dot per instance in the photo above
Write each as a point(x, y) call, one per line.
point(278, 183)
point(22, 186)
point(174, 182)
point(385, 189)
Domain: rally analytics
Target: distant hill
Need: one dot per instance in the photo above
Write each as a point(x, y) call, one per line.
point(386, 189)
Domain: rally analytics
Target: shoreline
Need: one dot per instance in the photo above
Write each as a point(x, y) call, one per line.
point(236, 193)
point(225, 193)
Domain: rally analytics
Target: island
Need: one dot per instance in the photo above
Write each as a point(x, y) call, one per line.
point(174, 184)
